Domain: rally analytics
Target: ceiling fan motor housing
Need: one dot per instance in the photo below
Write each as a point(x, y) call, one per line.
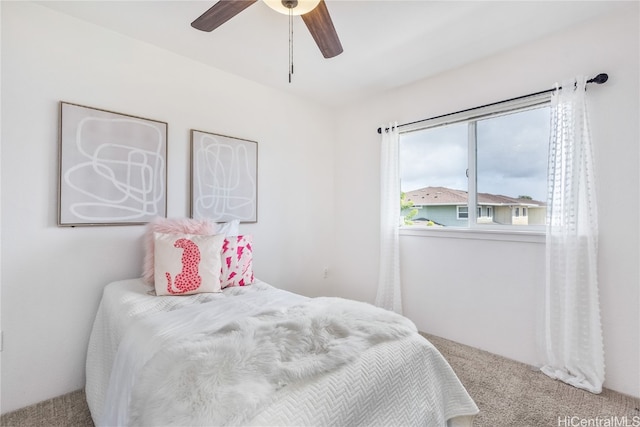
point(290, 4)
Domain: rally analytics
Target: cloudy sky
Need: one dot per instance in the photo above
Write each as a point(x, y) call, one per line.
point(511, 155)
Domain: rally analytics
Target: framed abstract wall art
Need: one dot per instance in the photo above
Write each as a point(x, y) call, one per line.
point(223, 177)
point(112, 167)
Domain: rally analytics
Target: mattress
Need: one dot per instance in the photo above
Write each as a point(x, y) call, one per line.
point(259, 355)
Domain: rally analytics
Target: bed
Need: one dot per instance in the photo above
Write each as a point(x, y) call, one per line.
point(261, 356)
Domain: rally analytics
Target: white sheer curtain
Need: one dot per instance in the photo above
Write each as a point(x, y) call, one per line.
point(573, 334)
point(388, 295)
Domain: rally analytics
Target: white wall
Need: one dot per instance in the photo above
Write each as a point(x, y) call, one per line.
point(486, 293)
point(52, 277)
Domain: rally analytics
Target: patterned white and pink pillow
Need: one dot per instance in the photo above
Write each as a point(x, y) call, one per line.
point(187, 264)
point(237, 261)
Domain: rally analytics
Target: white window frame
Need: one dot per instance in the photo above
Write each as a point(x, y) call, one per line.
point(471, 116)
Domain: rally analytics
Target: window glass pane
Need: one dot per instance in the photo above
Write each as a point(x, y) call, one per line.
point(433, 166)
point(463, 212)
point(511, 159)
point(509, 154)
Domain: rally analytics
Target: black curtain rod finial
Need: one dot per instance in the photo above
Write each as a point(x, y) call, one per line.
point(599, 79)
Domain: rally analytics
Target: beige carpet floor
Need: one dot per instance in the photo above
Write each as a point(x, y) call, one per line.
point(508, 393)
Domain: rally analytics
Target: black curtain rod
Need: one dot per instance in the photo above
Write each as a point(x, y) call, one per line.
point(599, 79)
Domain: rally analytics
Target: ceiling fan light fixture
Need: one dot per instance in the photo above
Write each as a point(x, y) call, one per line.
point(299, 7)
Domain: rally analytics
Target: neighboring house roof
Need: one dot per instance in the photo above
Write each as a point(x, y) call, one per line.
point(448, 196)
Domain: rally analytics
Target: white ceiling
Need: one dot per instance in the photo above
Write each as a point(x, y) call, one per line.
point(387, 43)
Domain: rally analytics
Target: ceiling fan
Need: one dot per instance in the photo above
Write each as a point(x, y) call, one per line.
point(314, 14)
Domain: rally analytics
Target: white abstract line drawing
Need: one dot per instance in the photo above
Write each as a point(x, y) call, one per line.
point(224, 178)
point(112, 168)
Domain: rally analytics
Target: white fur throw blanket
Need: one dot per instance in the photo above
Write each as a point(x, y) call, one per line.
point(224, 376)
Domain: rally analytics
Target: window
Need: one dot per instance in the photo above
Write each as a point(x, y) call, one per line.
point(463, 212)
point(485, 169)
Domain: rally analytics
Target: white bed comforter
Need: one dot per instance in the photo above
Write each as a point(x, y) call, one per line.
point(262, 356)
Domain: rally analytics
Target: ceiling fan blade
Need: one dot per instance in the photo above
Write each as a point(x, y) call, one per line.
point(220, 13)
point(321, 27)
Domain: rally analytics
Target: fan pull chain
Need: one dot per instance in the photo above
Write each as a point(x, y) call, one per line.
point(290, 43)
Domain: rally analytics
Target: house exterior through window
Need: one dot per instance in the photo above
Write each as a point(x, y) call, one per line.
point(443, 207)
